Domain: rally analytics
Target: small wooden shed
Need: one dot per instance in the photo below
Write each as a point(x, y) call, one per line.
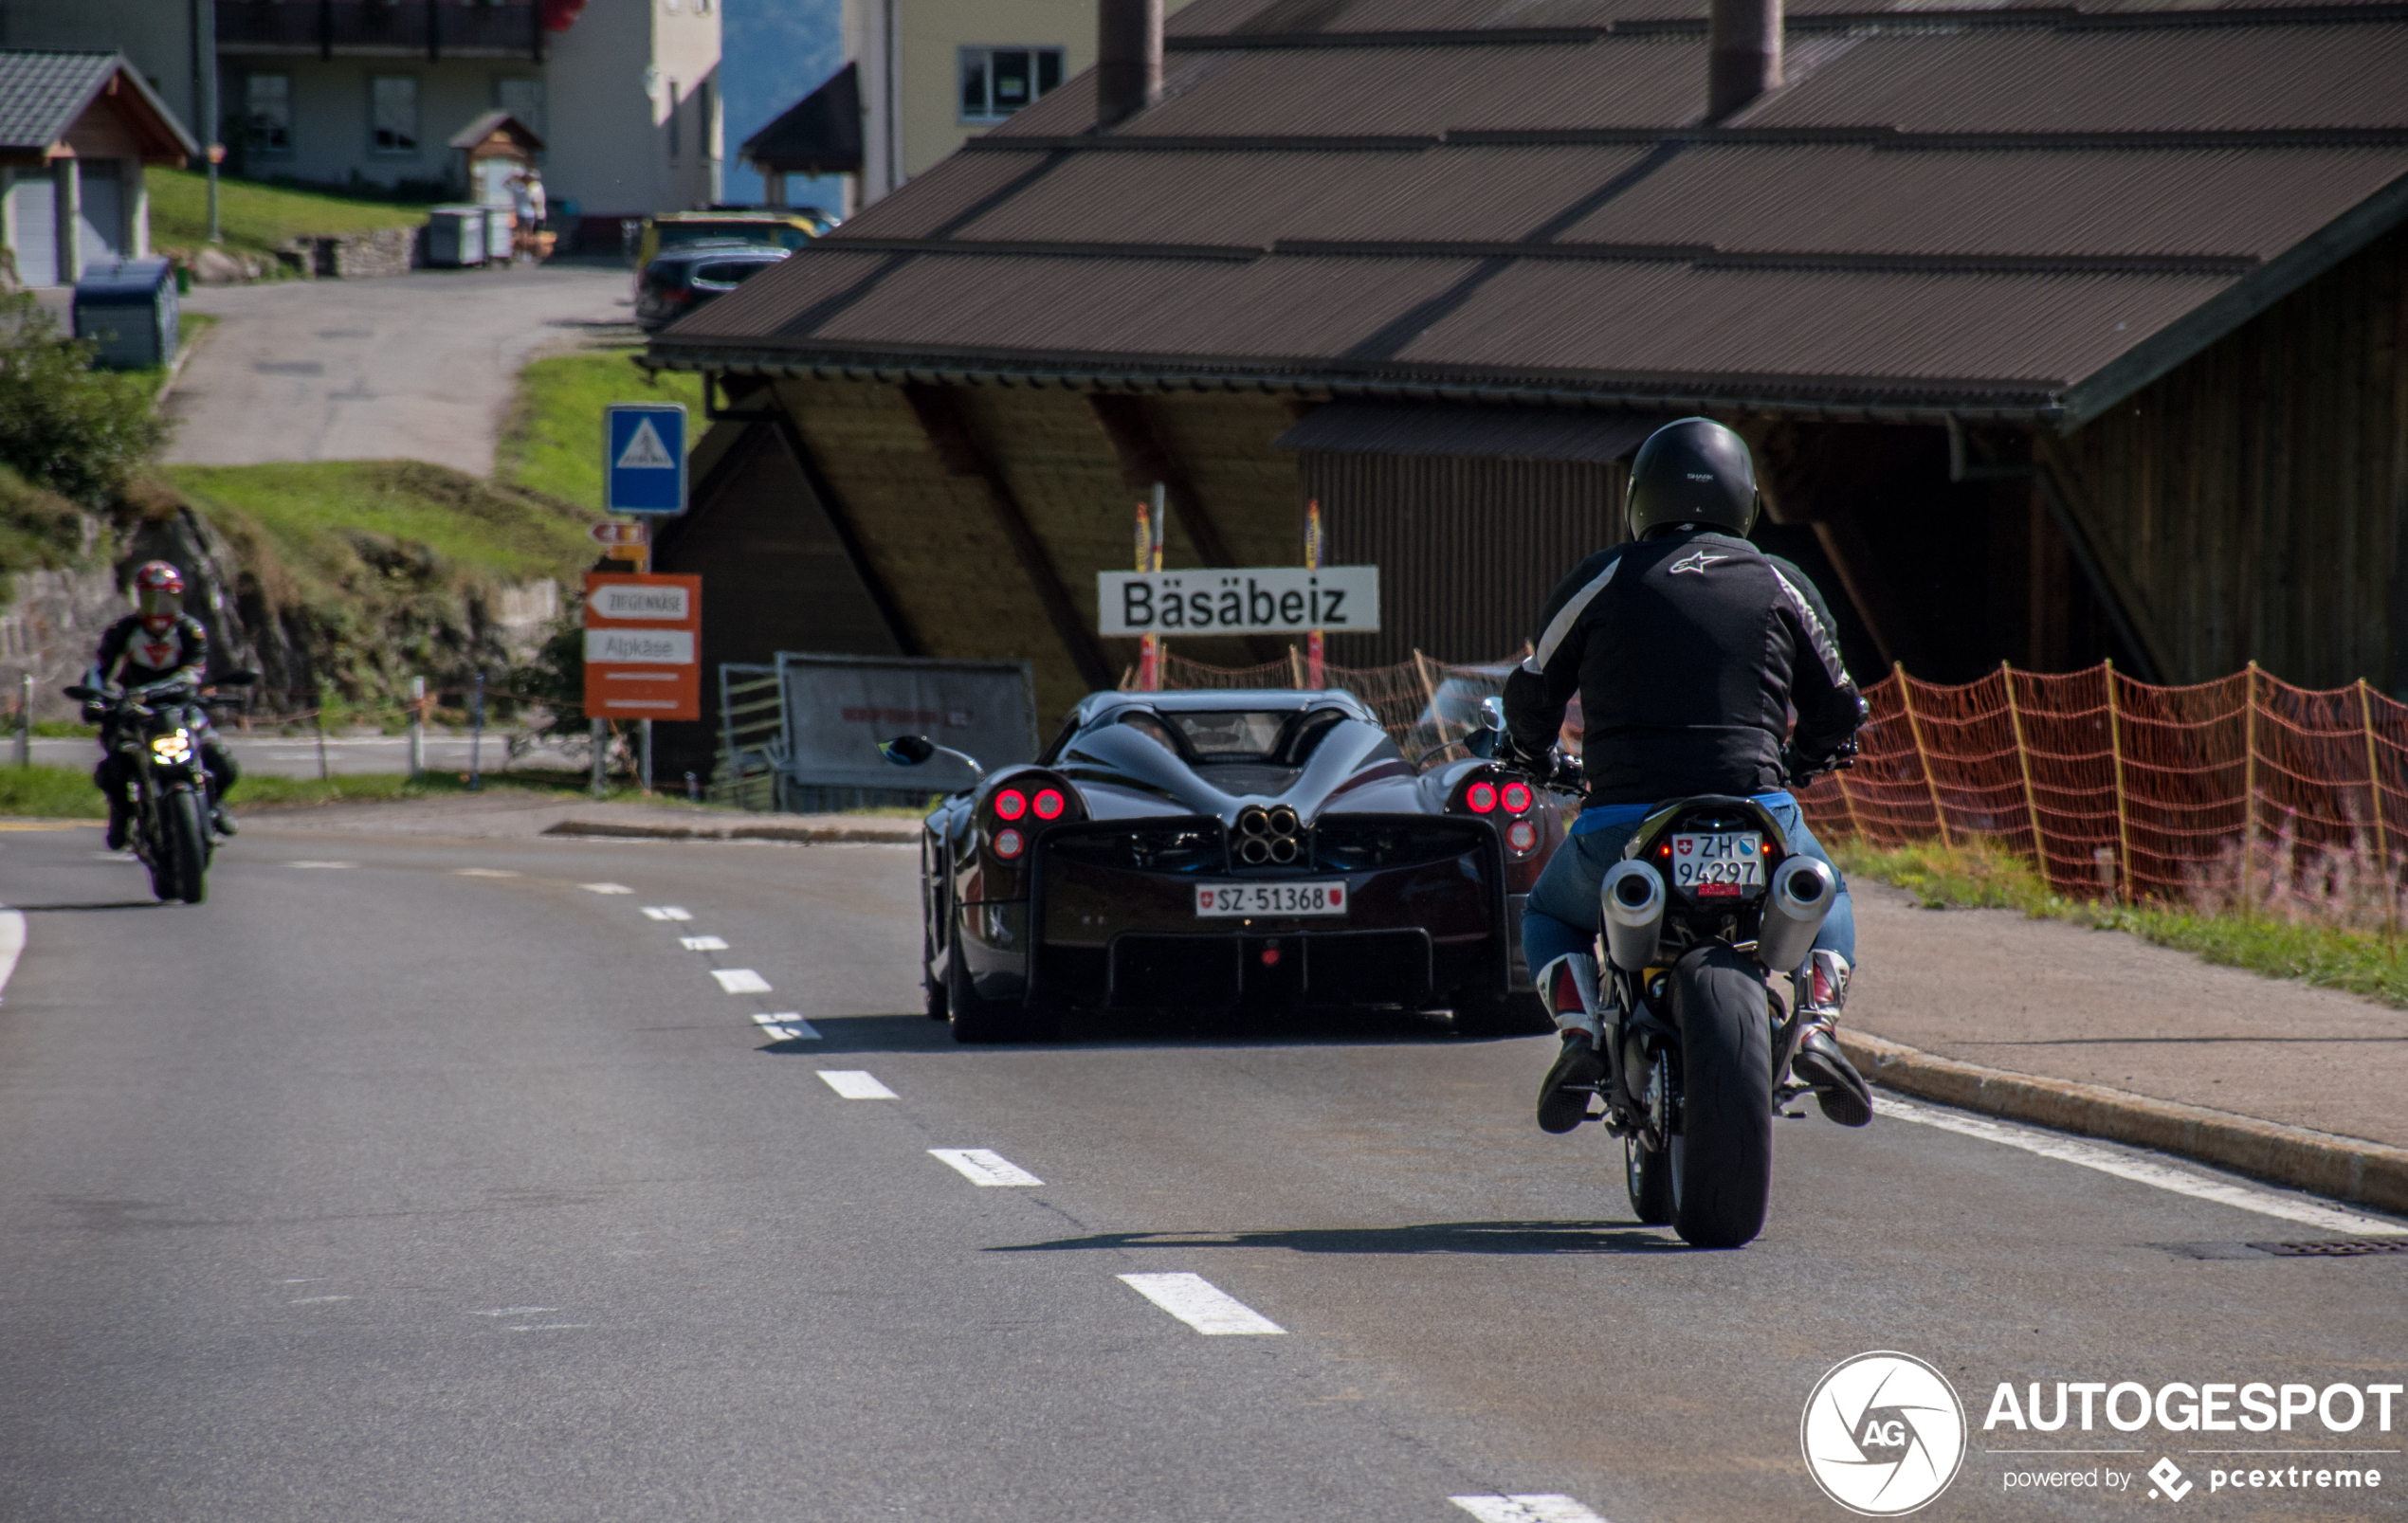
point(493, 149)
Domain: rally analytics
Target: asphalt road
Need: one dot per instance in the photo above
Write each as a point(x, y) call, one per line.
point(415, 367)
point(411, 1179)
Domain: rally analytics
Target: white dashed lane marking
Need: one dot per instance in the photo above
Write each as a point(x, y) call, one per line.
point(319, 1300)
point(1545, 1507)
point(2141, 1171)
point(606, 888)
point(702, 943)
point(854, 1084)
point(484, 872)
point(787, 1027)
point(515, 1311)
point(981, 1165)
point(12, 942)
point(1200, 1304)
point(740, 981)
point(322, 864)
point(667, 912)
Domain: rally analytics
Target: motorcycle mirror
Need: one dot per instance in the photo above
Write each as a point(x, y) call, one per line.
point(907, 751)
point(1493, 714)
point(81, 692)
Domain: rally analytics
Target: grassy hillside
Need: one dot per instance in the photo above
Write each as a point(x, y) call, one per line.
point(318, 514)
point(552, 442)
point(261, 217)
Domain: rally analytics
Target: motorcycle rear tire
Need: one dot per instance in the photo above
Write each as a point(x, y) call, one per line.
point(1647, 1174)
point(1721, 1157)
point(977, 1020)
point(187, 842)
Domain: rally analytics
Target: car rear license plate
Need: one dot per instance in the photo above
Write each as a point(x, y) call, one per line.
point(1227, 901)
point(1726, 865)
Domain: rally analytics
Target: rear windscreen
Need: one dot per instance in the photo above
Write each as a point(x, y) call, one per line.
point(730, 273)
point(1247, 735)
point(772, 234)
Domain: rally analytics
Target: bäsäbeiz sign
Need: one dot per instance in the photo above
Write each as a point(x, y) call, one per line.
point(1261, 600)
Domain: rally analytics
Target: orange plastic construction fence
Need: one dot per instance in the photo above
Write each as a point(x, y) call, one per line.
point(2243, 793)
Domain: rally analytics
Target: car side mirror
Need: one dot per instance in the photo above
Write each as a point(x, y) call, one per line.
point(82, 692)
point(907, 751)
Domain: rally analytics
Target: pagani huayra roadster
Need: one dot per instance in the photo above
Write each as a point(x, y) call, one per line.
point(1220, 850)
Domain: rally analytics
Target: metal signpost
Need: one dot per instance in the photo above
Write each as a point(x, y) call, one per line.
point(653, 657)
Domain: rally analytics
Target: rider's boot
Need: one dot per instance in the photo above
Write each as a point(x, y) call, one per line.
point(219, 818)
point(1818, 1063)
point(1568, 986)
point(121, 822)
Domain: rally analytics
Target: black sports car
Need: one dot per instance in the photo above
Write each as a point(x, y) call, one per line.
point(1211, 850)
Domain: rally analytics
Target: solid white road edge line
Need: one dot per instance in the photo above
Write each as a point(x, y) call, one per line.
point(1543, 1507)
point(1200, 1304)
point(855, 1084)
point(983, 1166)
point(740, 981)
point(606, 888)
point(666, 912)
point(787, 1026)
point(702, 943)
point(2140, 1171)
point(11, 943)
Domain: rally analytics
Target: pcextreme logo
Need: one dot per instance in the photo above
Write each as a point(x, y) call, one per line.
point(1883, 1434)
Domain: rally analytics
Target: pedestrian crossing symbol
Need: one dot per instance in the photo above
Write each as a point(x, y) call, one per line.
point(644, 458)
point(644, 451)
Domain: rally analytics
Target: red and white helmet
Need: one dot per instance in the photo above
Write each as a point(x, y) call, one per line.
point(158, 594)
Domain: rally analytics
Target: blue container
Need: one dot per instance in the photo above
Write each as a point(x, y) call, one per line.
point(127, 307)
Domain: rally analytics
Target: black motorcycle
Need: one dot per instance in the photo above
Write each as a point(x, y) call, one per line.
point(157, 729)
point(1707, 902)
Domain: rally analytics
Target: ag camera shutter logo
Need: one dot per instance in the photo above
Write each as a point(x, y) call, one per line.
point(1883, 1434)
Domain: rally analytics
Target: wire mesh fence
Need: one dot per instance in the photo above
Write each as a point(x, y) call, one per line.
point(2245, 793)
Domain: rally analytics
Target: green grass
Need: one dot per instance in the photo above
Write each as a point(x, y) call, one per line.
point(261, 217)
point(552, 442)
point(66, 792)
point(1982, 877)
point(306, 507)
point(50, 793)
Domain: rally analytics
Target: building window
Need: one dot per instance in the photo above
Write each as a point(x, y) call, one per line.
point(267, 112)
point(996, 82)
point(392, 115)
point(673, 143)
point(523, 99)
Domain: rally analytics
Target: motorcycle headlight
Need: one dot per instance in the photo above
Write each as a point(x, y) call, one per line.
point(173, 748)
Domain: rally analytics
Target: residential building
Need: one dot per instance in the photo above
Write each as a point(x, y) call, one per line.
point(623, 92)
point(76, 130)
point(936, 73)
point(2060, 334)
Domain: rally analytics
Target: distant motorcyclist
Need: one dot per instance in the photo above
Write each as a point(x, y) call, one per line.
point(156, 653)
point(1689, 648)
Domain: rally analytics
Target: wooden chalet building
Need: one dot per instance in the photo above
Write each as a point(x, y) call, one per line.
point(2061, 332)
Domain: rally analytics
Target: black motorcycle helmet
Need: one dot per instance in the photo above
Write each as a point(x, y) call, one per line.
point(1693, 471)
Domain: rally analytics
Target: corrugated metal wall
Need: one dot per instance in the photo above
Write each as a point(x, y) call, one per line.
point(1467, 549)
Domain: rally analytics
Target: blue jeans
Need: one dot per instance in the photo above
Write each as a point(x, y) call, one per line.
point(1563, 910)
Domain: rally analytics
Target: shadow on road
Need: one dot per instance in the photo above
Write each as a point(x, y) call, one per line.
point(103, 904)
point(1137, 1030)
point(1435, 1237)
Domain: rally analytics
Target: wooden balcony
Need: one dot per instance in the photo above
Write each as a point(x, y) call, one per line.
point(412, 28)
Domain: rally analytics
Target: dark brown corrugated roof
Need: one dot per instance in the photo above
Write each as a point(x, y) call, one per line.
point(2020, 209)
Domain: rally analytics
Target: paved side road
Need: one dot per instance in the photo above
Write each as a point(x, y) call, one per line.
point(539, 1179)
point(418, 366)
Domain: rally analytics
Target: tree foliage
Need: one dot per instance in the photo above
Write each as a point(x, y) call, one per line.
point(63, 424)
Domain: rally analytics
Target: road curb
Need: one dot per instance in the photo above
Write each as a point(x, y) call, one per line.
point(2346, 1168)
point(798, 834)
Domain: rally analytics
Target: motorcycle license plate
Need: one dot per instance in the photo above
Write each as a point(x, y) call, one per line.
point(1226, 900)
point(1726, 865)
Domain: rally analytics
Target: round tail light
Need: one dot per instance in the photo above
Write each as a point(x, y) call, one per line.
point(1517, 798)
point(1522, 837)
point(1482, 797)
point(1010, 803)
point(1048, 804)
point(1008, 842)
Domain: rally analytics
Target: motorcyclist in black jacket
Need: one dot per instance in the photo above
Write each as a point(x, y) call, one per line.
point(1689, 650)
point(157, 652)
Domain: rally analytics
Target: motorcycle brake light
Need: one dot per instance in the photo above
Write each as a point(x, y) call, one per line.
point(1048, 804)
point(1010, 803)
point(1481, 798)
point(1516, 797)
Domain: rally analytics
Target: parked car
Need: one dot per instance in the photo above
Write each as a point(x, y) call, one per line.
point(683, 279)
point(786, 227)
point(1213, 850)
